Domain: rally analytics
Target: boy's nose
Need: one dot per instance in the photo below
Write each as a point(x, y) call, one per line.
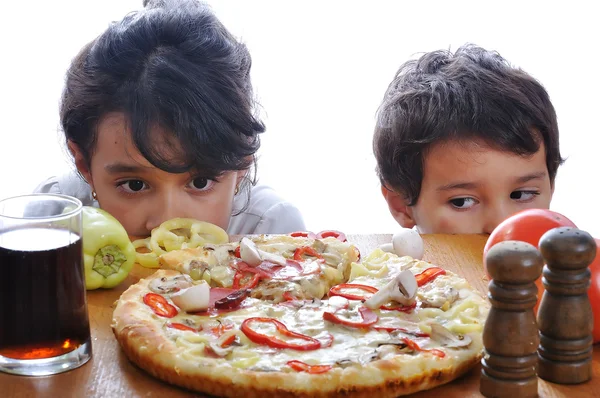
point(495, 217)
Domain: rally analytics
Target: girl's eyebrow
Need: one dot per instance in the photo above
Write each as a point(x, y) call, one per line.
point(116, 168)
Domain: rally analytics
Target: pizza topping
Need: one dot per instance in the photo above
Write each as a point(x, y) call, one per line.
point(306, 250)
point(414, 346)
point(440, 298)
point(253, 256)
point(170, 285)
point(428, 275)
point(249, 252)
point(224, 345)
point(303, 234)
point(312, 369)
point(401, 288)
point(408, 242)
point(299, 341)
point(197, 268)
point(192, 299)
point(160, 305)
point(446, 338)
point(339, 290)
point(180, 326)
point(336, 234)
point(368, 318)
point(249, 283)
point(233, 300)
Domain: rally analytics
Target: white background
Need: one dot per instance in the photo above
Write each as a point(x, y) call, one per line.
point(320, 69)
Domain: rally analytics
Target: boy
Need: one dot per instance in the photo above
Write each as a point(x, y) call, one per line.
point(463, 141)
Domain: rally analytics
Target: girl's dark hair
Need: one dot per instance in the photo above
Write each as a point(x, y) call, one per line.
point(469, 95)
point(173, 66)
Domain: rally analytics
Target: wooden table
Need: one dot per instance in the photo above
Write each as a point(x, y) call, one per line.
point(110, 374)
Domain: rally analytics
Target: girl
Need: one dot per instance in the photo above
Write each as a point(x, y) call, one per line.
point(158, 114)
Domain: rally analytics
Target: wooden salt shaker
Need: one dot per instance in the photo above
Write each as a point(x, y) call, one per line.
point(510, 335)
point(565, 316)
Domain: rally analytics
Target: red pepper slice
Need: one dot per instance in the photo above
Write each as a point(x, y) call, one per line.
point(302, 234)
point(414, 346)
point(368, 318)
point(336, 234)
point(221, 329)
point(306, 250)
point(227, 342)
point(428, 275)
point(250, 284)
point(287, 296)
point(400, 307)
point(181, 326)
point(383, 328)
point(304, 367)
point(237, 252)
point(160, 305)
point(337, 291)
point(272, 341)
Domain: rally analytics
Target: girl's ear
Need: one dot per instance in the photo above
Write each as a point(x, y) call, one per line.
point(80, 162)
point(399, 207)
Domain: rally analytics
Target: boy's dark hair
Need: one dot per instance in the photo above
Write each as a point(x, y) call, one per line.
point(471, 94)
point(174, 66)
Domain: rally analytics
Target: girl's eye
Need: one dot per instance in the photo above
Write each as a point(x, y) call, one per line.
point(132, 186)
point(463, 203)
point(201, 183)
point(523, 196)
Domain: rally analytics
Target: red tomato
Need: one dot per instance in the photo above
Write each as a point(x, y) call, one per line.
point(527, 226)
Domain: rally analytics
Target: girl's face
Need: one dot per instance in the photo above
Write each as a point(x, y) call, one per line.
point(142, 196)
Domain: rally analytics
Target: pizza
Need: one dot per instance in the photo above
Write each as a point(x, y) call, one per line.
point(300, 315)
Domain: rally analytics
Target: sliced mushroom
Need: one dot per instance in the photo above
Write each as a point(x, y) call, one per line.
point(249, 253)
point(253, 256)
point(196, 269)
point(192, 299)
point(402, 289)
point(170, 285)
point(319, 246)
point(446, 338)
point(272, 257)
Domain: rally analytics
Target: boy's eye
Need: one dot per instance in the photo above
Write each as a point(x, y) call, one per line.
point(523, 196)
point(201, 183)
point(463, 203)
point(133, 185)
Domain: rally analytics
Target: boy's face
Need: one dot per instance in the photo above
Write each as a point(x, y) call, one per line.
point(471, 188)
point(142, 196)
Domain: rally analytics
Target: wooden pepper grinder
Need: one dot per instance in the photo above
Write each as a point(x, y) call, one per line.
point(565, 316)
point(510, 335)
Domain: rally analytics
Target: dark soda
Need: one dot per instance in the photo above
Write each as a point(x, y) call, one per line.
point(43, 311)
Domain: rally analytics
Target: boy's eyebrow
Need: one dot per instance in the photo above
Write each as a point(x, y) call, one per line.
point(116, 168)
point(473, 185)
point(533, 176)
point(457, 185)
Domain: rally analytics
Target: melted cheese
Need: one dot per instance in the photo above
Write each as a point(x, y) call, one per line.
point(464, 314)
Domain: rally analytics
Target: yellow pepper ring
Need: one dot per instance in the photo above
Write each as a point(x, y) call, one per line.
point(147, 260)
point(162, 237)
point(203, 232)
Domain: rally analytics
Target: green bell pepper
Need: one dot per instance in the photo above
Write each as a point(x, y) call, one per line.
point(108, 253)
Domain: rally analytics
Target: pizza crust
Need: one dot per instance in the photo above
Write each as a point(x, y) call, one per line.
point(146, 344)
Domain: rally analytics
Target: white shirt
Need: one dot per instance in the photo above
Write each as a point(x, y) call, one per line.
point(266, 212)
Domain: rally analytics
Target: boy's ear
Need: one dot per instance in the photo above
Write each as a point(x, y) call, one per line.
point(398, 207)
point(80, 162)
